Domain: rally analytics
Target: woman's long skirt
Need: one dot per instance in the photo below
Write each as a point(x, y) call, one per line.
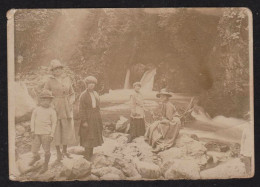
point(137, 127)
point(91, 136)
point(64, 133)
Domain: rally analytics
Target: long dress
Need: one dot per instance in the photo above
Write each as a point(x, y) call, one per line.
point(137, 123)
point(163, 133)
point(64, 98)
point(89, 111)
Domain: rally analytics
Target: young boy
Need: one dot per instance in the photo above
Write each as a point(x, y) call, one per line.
point(43, 124)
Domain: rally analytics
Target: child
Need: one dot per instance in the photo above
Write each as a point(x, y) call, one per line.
point(137, 123)
point(43, 124)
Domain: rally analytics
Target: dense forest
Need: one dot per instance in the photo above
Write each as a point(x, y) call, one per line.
point(204, 53)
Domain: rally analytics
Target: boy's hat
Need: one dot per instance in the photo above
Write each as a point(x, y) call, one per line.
point(137, 84)
point(163, 92)
point(46, 94)
point(90, 79)
point(55, 64)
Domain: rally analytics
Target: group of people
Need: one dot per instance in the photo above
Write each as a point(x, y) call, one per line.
point(52, 119)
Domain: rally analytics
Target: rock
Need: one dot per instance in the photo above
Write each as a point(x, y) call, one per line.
point(224, 148)
point(100, 172)
point(76, 168)
point(172, 153)
point(78, 150)
point(183, 169)
point(193, 147)
point(110, 176)
point(148, 170)
point(19, 130)
point(122, 125)
point(100, 161)
point(90, 178)
point(233, 168)
point(194, 137)
point(127, 168)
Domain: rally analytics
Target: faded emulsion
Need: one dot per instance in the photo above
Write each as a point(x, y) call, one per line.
point(130, 94)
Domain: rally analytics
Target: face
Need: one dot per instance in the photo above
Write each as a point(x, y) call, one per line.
point(163, 98)
point(137, 88)
point(45, 102)
point(57, 71)
point(91, 86)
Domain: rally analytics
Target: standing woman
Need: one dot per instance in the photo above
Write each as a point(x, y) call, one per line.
point(91, 127)
point(61, 87)
point(137, 124)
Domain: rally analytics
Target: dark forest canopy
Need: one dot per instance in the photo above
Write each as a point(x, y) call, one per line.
point(194, 51)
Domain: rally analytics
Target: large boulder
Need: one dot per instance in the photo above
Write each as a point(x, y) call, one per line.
point(122, 125)
point(24, 104)
point(148, 170)
point(101, 172)
point(76, 168)
point(181, 169)
point(110, 176)
point(100, 161)
point(233, 168)
point(127, 167)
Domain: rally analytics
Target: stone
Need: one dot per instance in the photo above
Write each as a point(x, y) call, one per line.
point(172, 153)
point(100, 172)
point(100, 161)
point(233, 168)
point(110, 176)
point(127, 168)
point(224, 148)
point(183, 169)
point(122, 125)
point(148, 170)
point(76, 168)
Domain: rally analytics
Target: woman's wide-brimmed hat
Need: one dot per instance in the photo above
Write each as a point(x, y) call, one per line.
point(137, 84)
point(164, 92)
point(55, 64)
point(90, 79)
point(46, 94)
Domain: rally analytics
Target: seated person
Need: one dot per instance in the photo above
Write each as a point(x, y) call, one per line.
point(161, 135)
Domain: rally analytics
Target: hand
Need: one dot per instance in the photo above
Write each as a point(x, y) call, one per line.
point(85, 124)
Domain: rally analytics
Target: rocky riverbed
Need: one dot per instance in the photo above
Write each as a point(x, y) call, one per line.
point(116, 159)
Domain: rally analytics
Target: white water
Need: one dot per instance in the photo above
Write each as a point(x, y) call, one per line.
point(127, 79)
point(148, 80)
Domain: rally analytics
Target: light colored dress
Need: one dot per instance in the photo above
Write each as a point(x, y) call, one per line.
point(163, 133)
point(64, 98)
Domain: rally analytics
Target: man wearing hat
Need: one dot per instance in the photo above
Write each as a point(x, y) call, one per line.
point(161, 134)
point(43, 124)
point(91, 126)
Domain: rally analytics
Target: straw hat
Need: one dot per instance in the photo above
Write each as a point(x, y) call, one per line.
point(137, 84)
point(55, 64)
point(163, 92)
point(90, 79)
point(46, 94)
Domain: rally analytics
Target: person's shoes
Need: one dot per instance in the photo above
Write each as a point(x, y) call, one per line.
point(156, 150)
point(35, 159)
point(66, 154)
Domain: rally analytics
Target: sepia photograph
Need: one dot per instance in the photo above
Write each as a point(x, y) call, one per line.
point(130, 94)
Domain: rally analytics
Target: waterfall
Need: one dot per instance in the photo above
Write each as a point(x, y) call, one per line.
point(127, 78)
point(148, 79)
